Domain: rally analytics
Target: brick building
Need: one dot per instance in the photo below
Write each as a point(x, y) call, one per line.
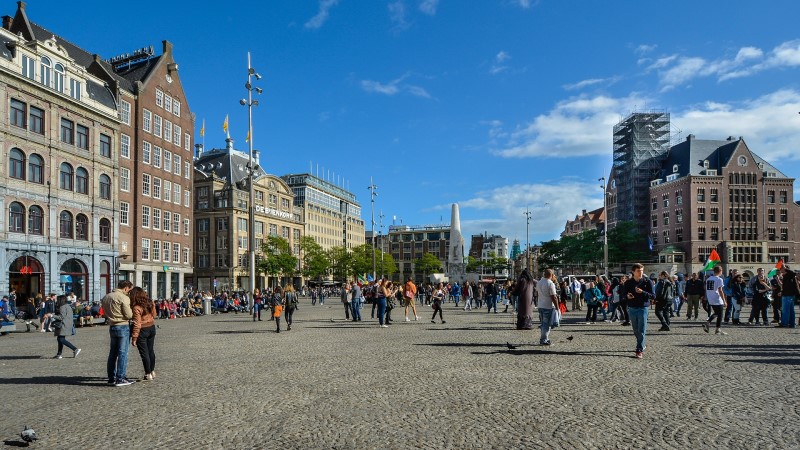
point(585, 221)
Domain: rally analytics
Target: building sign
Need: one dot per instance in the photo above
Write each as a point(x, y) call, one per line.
point(171, 268)
point(274, 212)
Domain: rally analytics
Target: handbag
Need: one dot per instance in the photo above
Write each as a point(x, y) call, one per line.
point(555, 318)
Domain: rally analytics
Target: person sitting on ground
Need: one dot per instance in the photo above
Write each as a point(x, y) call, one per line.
point(85, 315)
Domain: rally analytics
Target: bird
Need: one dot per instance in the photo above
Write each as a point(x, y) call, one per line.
point(569, 338)
point(332, 320)
point(510, 347)
point(28, 435)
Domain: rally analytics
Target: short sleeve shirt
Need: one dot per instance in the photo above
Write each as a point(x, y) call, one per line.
point(546, 288)
point(713, 283)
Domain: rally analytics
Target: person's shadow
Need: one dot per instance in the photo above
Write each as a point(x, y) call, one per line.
point(56, 379)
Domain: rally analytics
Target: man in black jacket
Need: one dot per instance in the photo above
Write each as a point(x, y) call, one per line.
point(694, 291)
point(790, 292)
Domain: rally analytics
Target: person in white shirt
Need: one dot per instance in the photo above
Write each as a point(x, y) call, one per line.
point(548, 304)
point(575, 286)
point(715, 296)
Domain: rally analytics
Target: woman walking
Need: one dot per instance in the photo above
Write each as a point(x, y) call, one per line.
point(143, 330)
point(277, 307)
point(760, 300)
point(290, 300)
point(63, 325)
point(347, 298)
point(436, 300)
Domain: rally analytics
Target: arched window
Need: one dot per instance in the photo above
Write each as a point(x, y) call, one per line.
point(81, 227)
point(59, 84)
point(46, 72)
point(105, 231)
point(35, 220)
point(81, 181)
point(36, 169)
point(16, 218)
point(65, 224)
point(16, 164)
point(105, 187)
point(65, 178)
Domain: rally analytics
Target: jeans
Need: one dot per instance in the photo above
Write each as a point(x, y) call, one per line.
point(256, 313)
point(145, 343)
point(737, 309)
point(381, 302)
point(787, 311)
point(347, 308)
point(62, 341)
point(759, 309)
point(728, 310)
point(117, 366)
point(662, 312)
point(437, 308)
point(491, 302)
point(638, 316)
point(356, 310)
point(457, 298)
point(288, 313)
point(545, 317)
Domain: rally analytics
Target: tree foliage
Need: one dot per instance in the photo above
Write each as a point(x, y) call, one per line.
point(428, 264)
point(315, 260)
point(278, 258)
point(586, 249)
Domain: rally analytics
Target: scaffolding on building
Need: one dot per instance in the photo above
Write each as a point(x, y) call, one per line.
point(641, 142)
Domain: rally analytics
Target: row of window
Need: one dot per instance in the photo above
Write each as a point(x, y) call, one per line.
point(171, 105)
point(735, 233)
point(32, 119)
point(735, 196)
point(157, 188)
point(167, 221)
point(70, 227)
point(51, 75)
point(155, 155)
point(31, 169)
point(154, 250)
point(165, 129)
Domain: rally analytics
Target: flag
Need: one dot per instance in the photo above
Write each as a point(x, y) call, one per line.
point(774, 271)
point(203, 129)
point(713, 260)
point(247, 139)
point(369, 277)
point(225, 124)
point(361, 279)
point(650, 243)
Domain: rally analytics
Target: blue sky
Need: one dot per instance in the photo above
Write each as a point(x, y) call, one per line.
point(498, 105)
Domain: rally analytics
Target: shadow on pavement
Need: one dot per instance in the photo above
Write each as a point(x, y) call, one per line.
point(20, 357)
point(243, 331)
point(16, 443)
point(56, 379)
point(603, 353)
point(782, 354)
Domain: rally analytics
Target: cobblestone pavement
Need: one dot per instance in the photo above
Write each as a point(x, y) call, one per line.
point(224, 381)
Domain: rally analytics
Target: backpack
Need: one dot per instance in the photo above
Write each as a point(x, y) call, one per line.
point(291, 299)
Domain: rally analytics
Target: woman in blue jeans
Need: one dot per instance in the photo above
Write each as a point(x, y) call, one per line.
point(380, 300)
point(639, 292)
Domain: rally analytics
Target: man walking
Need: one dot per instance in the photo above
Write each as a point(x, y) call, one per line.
point(357, 298)
point(789, 293)
point(118, 313)
point(639, 292)
point(694, 290)
point(715, 296)
point(548, 302)
point(665, 294)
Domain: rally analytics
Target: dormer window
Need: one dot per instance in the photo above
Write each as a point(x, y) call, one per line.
point(59, 79)
point(675, 168)
point(705, 164)
point(46, 72)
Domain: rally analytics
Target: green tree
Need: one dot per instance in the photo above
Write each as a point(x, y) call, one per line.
point(626, 245)
point(428, 264)
point(278, 258)
point(386, 265)
point(474, 264)
point(315, 260)
point(340, 262)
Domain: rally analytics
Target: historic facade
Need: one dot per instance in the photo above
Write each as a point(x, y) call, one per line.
point(719, 195)
point(59, 153)
point(222, 193)
point(585, 221)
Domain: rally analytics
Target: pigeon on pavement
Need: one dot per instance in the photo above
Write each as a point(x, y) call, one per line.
point(28, 435)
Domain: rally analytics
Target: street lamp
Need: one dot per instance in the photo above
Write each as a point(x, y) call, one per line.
point(252, 167)
point(528, 239)
point(605, 225)
point(381, 216)
point(373, 194)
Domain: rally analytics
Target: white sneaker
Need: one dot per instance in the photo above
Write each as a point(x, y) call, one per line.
point(416, 317)
point(407, 319)
point(384, 326)
point(77, 352)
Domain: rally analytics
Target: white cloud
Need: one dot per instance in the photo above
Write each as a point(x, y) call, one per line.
point(551, 205)
point(498, 64)
point(677, 70)
point(394, 87)
point(429, 7)
point(769, 124)
point(322, 16)
point(397, 14)
point(579, 126)
point(525, 4)
point(590, 82)
point(645, 48)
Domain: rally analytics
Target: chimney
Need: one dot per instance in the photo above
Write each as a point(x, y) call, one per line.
point(584, 212)
point(229, 144)
point(690, 138)
point(256, 156)
point(198, 151)
point(167, 46)
point(7, 21)
point(730, 138)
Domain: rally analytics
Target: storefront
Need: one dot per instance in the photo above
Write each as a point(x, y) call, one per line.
point(26, 277)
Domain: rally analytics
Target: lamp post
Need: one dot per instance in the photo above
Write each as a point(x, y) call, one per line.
point(381, 216)
point(605, 225)
point(372, 189)
point(528, 239)
point(252, 167)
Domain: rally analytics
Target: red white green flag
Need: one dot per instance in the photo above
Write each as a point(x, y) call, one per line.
point(713, 260)
point(774, 271)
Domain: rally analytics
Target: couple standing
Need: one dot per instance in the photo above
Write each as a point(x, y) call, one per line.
point(131, 318)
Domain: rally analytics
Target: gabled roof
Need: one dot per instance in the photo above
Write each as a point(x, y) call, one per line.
point(690, 154)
